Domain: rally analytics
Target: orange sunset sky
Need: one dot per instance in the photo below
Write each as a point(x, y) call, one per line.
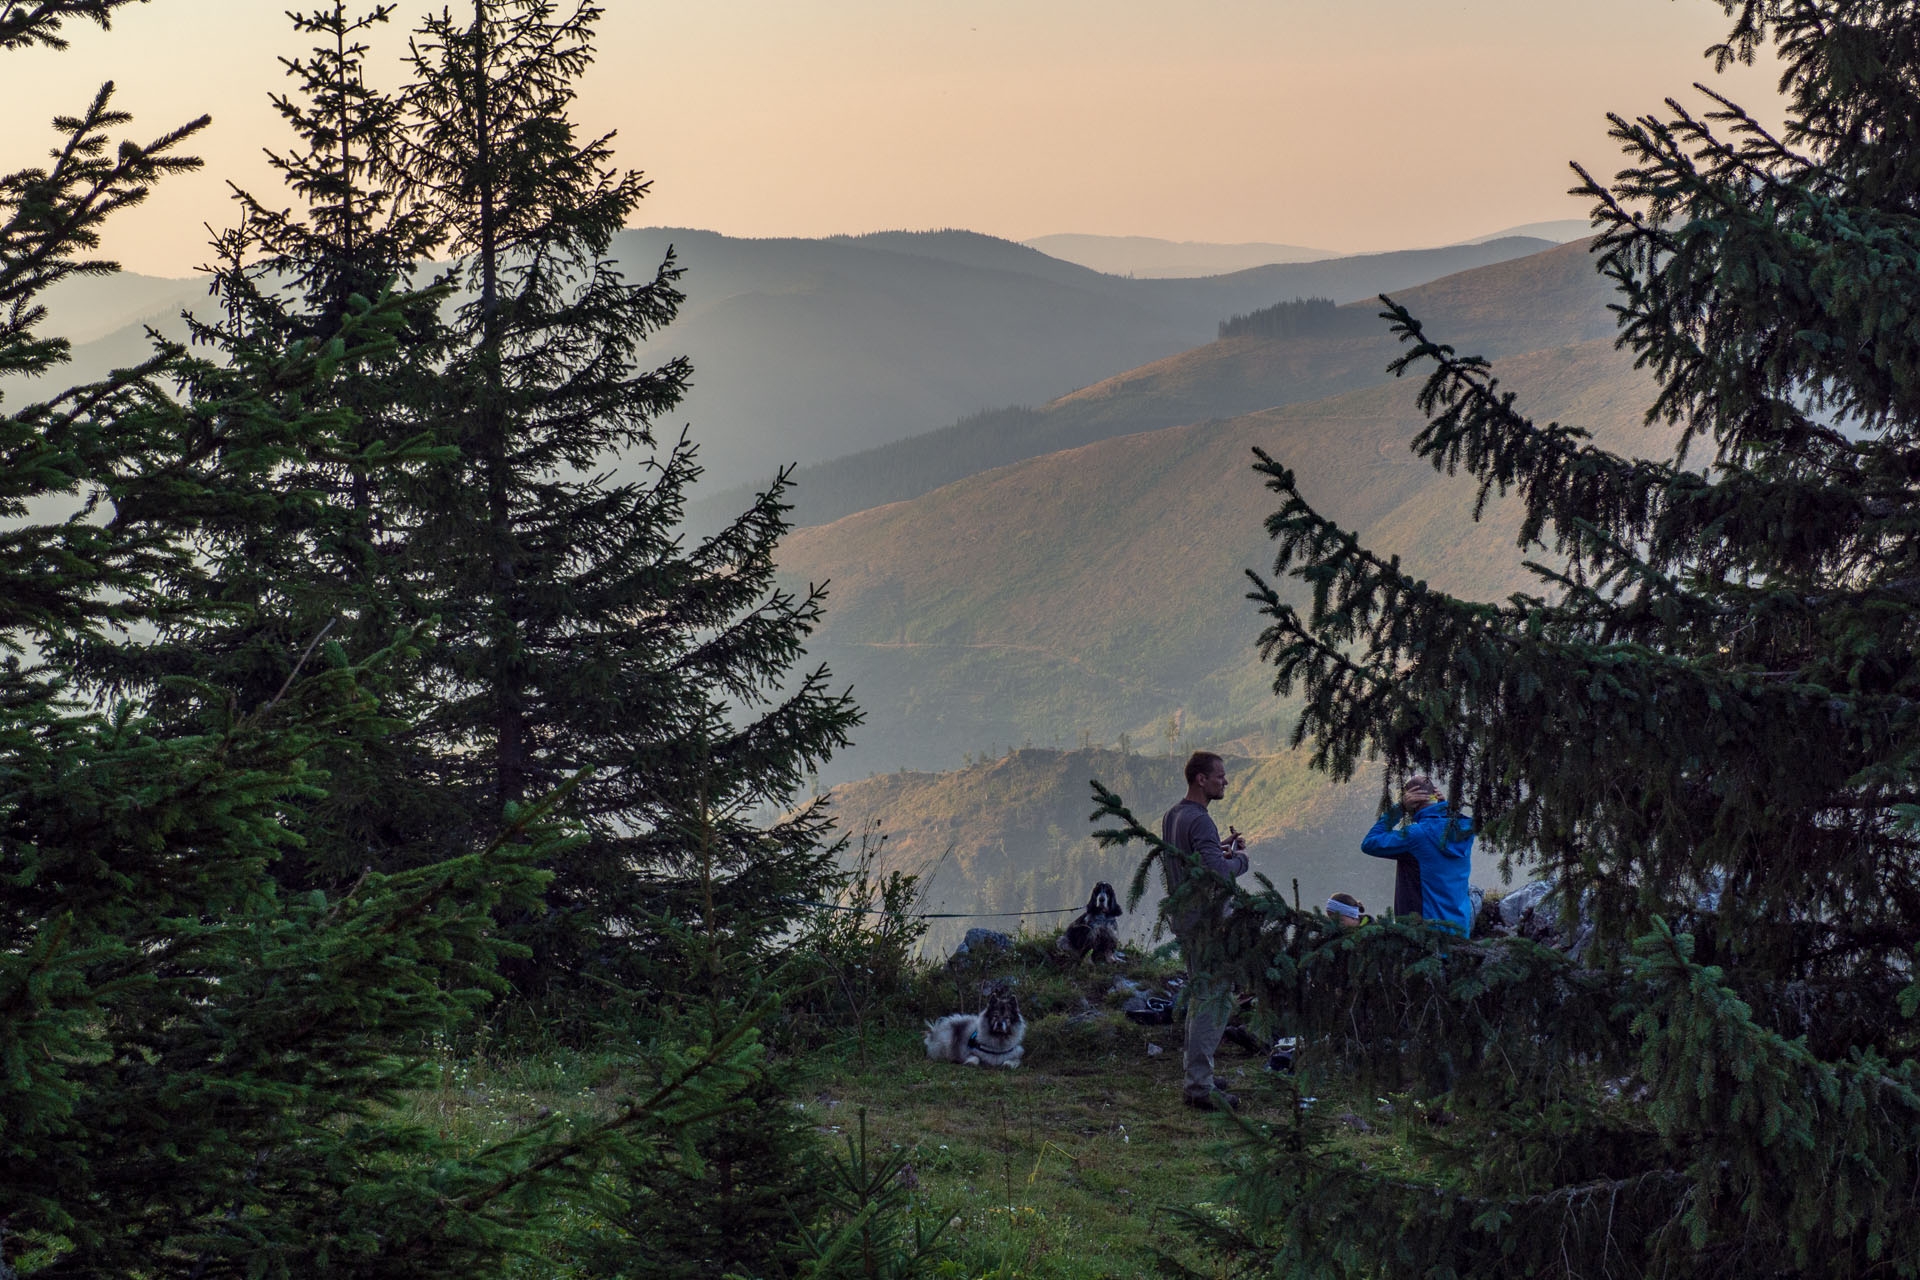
point(1358, 125)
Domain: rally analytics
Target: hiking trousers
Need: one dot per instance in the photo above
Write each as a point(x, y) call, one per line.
point(1209, 1005)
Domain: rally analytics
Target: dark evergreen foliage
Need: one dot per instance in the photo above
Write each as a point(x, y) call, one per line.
point(1705, 724)
point(65, 567)
point(301, 526)
point(462, 481)
point(197, 1070)
point(581, 637)
point(873, 1232)
point(25, 25)
point(726, 1199)
point(1301, 318)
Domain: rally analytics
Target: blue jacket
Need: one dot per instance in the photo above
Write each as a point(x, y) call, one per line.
point(1445, 864)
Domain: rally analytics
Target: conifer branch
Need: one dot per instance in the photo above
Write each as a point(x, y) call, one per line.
point(725, 1054)
point(294, 674)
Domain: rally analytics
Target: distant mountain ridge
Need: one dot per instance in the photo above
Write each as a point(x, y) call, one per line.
point(804, 350)
point(1150, 257)
point(1544, 299)
point(1560, 230)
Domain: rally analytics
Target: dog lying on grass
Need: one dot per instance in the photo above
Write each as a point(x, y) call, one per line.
point(990, 1038)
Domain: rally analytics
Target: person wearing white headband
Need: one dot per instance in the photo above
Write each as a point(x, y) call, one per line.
point(1348, 910)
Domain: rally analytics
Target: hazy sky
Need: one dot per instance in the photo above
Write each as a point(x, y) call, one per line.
point(1355, 125)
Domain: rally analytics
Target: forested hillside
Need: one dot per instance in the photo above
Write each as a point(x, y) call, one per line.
point(1101, 590)
point(1545, 299)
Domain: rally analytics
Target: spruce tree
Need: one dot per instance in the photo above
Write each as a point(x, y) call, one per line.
point(301, 527)
point(1704, 723)
point(200, 1072)
point(580, 635)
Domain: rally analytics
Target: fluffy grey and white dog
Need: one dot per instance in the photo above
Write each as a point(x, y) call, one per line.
point(990, 1038)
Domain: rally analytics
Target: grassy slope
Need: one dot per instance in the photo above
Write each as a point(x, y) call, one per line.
point(1100, 590)
point(1067, 1168)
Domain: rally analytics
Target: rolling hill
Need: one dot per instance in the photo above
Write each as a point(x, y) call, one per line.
point(804, 350)
point(1099, 590)
point(1545, 299)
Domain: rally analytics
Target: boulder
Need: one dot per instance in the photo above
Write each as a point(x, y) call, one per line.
point(982, 940)
point(991, 938)
point(1534, 910)
point(1522, 902)
point(1576, 946)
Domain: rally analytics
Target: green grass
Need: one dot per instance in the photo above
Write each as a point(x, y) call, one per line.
point(480, 1095)
point(1066, 1168)
point(1062, 1168)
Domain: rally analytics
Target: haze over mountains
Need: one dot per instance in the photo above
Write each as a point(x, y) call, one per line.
point(805, 350)
point(1149, 257)
point(1030, 616)
point(1548, 298)
point(1152, 258)
point(1024, 598)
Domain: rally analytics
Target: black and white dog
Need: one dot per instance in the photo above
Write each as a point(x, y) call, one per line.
point(1097, 930)
point(990, 1038)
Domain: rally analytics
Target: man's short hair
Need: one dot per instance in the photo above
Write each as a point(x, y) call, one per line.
point(1200, 762)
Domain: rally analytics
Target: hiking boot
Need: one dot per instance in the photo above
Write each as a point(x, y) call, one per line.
point(1218, 1100)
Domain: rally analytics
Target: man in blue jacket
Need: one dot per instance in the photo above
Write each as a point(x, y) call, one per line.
point(1444, 858)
